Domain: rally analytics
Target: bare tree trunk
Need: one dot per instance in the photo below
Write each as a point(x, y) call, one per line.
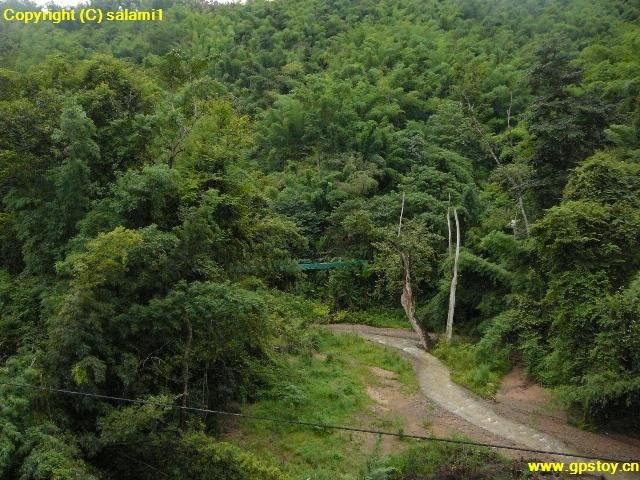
point(178, 145)
point(449, 227)
point(406, 299)
point(524, 213)
point(517, 188)
point(454, 280)
point(409, 304)
point(185, 371)
point(401, 213)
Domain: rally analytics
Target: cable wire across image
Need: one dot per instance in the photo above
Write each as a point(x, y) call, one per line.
point(307, 424)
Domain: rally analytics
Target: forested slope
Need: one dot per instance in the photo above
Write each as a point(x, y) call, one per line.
point(159, 182)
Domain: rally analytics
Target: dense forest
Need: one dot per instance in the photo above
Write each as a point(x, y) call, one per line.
point(161, 181)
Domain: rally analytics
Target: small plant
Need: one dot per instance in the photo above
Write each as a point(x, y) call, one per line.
point(376, 468)
point(378, 317)
point(472, 370)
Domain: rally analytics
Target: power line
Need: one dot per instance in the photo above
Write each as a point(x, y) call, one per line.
point(309, 424)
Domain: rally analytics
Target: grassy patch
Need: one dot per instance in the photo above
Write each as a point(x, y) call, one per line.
point(469, 369)
point(327, 386)
point(350, 347)
point(386, 318)
point(440, 461)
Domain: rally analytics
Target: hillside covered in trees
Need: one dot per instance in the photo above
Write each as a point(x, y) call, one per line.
point(161, 181)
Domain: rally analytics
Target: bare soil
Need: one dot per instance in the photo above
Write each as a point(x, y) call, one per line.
point(525, 401)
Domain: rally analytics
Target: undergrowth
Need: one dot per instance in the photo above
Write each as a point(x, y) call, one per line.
point(472, 368)
point(324, 385)
point(447, 461)
point(440, 461)
point(378, 317)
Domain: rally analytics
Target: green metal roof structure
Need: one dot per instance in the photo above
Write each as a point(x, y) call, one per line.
point(309, 266)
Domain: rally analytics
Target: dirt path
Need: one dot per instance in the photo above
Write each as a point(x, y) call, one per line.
point(517, 418)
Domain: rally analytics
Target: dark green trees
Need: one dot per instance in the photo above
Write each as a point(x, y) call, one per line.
point(573, 322)
point(156, 180)
point(588, 250)
point(566, 124)
point(120, 274)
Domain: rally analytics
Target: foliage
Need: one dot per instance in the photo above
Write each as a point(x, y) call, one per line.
point(442, 461)
point(160, 181)
point(379, 317)
point(202, 457)
point(334, 374)
point(473, 368)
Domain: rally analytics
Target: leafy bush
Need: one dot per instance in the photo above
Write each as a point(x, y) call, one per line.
point(202, 457)
point(349, 288)
point(483, 286)
point(334, 376)
point(375, 317)
point(289, 317)
point(607, 385)
point(440, 461)
point(469, 367)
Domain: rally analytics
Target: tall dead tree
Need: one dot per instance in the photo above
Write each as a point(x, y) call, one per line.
point(517, 187)
point(184, 129)
point(406, 299)
point(454, 276)
point(401, 213)
point(449, 226)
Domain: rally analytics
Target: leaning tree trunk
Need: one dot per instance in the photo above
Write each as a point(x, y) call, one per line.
point(409, 304)
point(517, 187)
point(454, 280)
point(522, 210)
point(406, 299)
point(401, 213)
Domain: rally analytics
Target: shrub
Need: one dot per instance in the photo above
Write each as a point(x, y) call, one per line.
point(477, 372)
point(204, 458)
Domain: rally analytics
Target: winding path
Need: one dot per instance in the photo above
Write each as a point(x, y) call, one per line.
point(436, 385)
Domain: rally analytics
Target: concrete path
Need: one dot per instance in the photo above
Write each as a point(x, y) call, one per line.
point(436, 384)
